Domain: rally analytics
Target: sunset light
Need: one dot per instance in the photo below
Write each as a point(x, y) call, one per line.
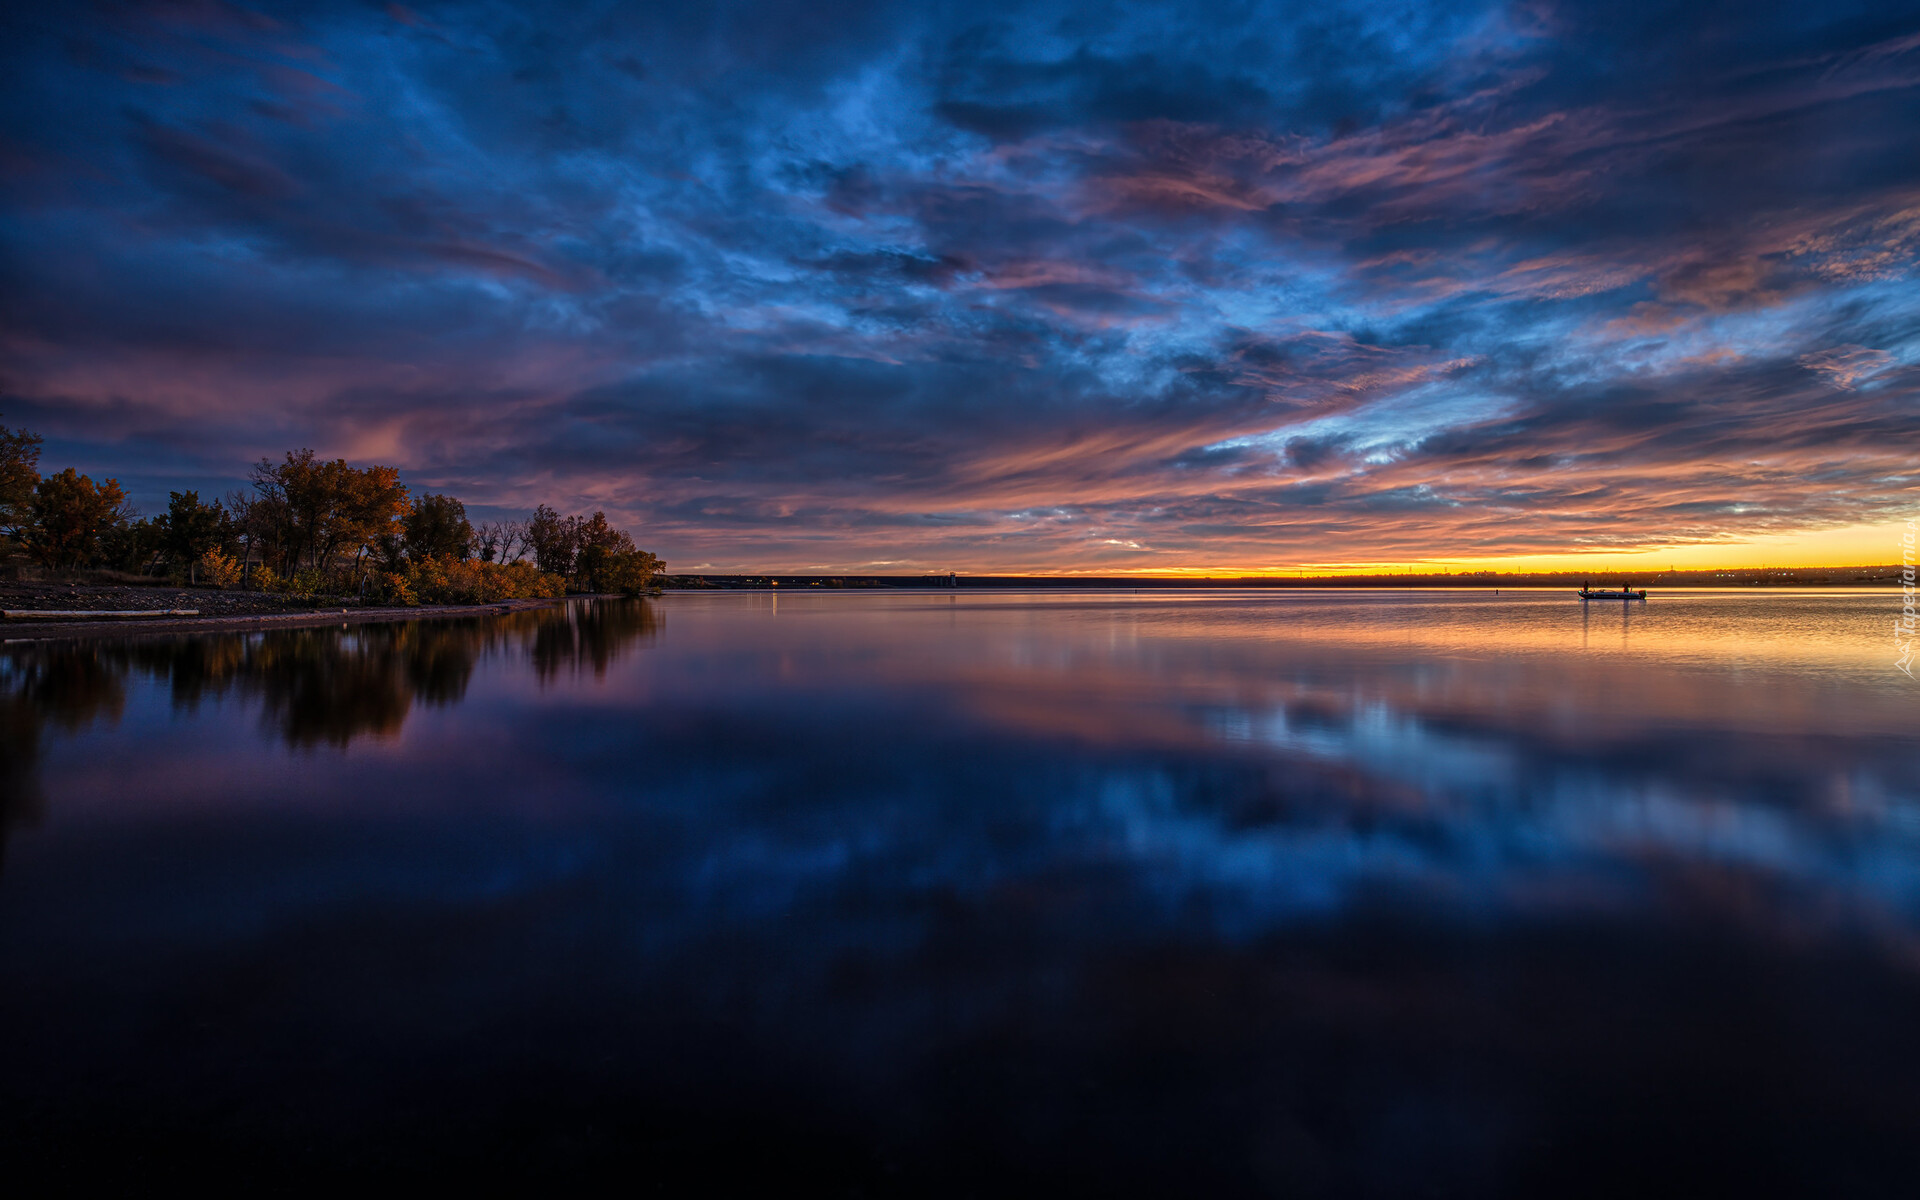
point(1149, 288)
point(937, 599)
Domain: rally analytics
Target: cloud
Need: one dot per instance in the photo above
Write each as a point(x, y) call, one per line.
point(1016, 286)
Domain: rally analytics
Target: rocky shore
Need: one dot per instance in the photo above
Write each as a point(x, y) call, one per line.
point(43, 597)
point(218, 611)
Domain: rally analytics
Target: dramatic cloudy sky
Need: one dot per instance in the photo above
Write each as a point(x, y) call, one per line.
point(1095, 286)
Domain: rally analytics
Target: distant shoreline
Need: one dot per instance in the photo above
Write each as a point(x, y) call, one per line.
point(23, 630)
point(1788, 577)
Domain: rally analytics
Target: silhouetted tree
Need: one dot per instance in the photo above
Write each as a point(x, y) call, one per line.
point(189, 528)
point(630, 572)
point(19, 472)
point(590, 551)
point(514, 546)
point(554, 539)
point(67, 515)
point(133, 545)
point(250, 523)
point(303, 512)
point(600, 547)
point(438, 526)
point(500, 541)
point(389, 550)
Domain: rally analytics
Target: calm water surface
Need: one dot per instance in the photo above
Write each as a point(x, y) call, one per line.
point(1372, 894)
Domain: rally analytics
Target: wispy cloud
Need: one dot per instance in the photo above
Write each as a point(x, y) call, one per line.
point(1021, 286)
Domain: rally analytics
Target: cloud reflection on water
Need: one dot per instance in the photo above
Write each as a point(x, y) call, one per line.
point(1252, 893)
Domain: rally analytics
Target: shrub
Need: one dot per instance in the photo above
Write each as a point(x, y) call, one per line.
point(307, 582)
point(219, 570)
point(303, 584)
point(392, 587)
point(433, 580)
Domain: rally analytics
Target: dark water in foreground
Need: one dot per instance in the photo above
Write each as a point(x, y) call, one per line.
point(1187, 894)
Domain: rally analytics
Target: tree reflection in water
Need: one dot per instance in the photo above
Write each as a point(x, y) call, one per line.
point(313, 686)
point(592, 637)
point(66, 691)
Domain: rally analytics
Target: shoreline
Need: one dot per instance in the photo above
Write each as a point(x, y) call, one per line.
point(1868, 578)
point(19, 630)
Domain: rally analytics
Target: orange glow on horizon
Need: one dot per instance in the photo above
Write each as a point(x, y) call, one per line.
point(1839, 549)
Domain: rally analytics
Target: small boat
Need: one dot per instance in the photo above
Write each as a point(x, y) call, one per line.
point(1617, 594)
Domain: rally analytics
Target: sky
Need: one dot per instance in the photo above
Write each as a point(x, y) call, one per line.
point(891, 288)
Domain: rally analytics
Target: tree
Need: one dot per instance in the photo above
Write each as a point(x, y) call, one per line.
point(513, 541)
point(590, 551)
point(255, 525)
point(500, 541)
point(630, 572)
point(309, 512)
point(189, 528)
point(594, 533)
point(132, 545)
point(438, 527)
point(602, 548)
point(554, 539)
point(273, 527)
point(487, 539)
point(68, 514)
point(19, 472)
point(371, 501)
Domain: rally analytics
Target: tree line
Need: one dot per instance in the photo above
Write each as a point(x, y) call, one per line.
point(312, 526)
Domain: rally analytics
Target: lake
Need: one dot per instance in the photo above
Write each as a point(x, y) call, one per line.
point(1207, 893)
